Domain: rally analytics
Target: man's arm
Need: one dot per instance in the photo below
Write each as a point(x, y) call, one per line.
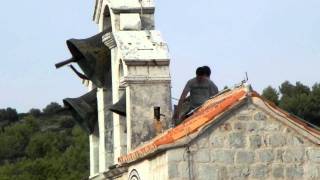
point(183, 96)
point(213, 89)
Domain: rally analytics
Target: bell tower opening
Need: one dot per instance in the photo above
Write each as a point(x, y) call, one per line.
point(106, 18)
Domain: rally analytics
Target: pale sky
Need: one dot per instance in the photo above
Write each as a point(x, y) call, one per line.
point(272, 40)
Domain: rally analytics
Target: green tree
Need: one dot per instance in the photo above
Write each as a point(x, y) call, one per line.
point(52, 108)
point(271, 94)
point(35, 112)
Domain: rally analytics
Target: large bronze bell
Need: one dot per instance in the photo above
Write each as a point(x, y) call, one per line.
point(84, 110)
point(92, 56)
point(120, 106)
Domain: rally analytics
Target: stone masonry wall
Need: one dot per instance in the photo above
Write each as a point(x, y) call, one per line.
point(249, 144)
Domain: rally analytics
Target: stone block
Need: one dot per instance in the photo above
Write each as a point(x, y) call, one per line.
point(244, 117)
point(176, 155)
point(238, 172)
point(293, 171)
point(226, 127)
point(183, 169)
point(312, 171)
point(277, 140)
point(130, 21)
point(266, 155)
point(260, 116)
point(279, 155)
point(203, 142)
point(252, 127)
point(259, 171)
point(240, 126)
point(202, 156)
point(295, 141)
point(314, 155)
point(237, 140)
point(244, 157)
point(293, 155)
point(217, 140)
point(173, 170)
point(278, 171)
point(255, 141)
point(268, 126)
point(222, 156)
point(210, 172)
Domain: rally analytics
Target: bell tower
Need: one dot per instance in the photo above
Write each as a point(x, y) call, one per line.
point(140, 81)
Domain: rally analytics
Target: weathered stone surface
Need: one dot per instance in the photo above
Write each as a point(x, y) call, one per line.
point(312, 171)
point(202, 156)
point(294, 171)
point(226, 127)
point(276, 140)
point(211, 172)
point(260, 116)
point(293, 155)
point(265, 155)
point(217, 140)
point(238, 171)
point(173, 170)
point(240, 126)
point(244, 157)
point(244, 117)
point(259, 171)
point(279, 155)
point(278, 171)
point(183, 169)
point(314, 155)
point(222, 156)
point(255, 141)
point(203, 142)
point(252, 127)
point(237, 140)
point(176, 155)
point(295, 141)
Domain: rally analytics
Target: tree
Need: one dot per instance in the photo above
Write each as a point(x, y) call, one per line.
point(52, 108)
point(9, 114)
point(271, 94)
point(35, 112)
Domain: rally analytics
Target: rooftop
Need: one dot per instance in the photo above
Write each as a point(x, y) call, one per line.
point(208, 113)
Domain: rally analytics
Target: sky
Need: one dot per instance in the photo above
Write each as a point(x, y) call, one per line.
point(273, 41)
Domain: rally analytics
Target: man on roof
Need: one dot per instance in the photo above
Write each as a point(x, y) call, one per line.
point(201, 88)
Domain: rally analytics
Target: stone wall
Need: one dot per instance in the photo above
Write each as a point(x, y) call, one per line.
point(249, 144)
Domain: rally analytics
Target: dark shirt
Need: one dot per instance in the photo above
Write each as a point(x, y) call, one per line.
point(200, 91)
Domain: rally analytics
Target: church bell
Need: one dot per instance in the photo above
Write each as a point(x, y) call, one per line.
point(84, 110)
point(92, 56)
point(120, 106)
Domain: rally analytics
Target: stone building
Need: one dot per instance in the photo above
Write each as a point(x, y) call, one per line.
point(234, 135)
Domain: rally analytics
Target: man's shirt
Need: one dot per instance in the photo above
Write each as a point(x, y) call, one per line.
point(200, 91)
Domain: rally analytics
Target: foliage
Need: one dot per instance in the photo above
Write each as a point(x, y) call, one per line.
point(35, 112)
point(297, 99)
point(271, 94)
point(31, 150)
point(8, 114)
point(52, 108)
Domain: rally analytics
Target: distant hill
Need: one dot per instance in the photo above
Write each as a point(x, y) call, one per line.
point(42, 146)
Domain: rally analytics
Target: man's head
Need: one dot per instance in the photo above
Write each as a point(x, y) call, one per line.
point(207, 70)
point(201, 74)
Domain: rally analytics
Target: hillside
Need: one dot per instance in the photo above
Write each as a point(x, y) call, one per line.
point(43, 146)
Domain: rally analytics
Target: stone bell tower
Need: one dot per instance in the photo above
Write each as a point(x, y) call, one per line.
point(140, 72)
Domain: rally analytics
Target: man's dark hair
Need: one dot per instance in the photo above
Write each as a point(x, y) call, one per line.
point(207, 70)
point(200, 71)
